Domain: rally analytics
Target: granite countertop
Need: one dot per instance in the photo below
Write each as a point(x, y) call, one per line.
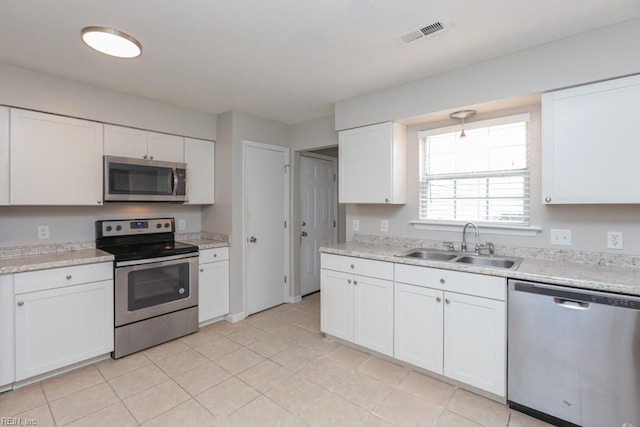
point(40, 257)
point(608, 278)
point(42, 261)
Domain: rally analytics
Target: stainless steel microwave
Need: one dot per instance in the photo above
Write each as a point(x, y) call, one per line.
point(137, 180)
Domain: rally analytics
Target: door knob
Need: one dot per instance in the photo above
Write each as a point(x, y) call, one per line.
point(252, 239)
point(304, 234)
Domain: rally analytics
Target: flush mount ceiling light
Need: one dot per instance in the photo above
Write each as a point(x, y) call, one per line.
point(462, 114)
point(111, 42)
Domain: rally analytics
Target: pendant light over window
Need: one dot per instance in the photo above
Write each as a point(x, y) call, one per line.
point(462, 114)
point(111, 42)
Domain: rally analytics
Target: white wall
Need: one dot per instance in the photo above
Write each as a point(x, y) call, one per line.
point(601, 54)
point(589, 223)
point(28, 89)
point(235, 128)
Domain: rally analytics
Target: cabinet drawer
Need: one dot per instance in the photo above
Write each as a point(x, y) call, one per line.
point(59, 277)
point(454, 281)
point(212, 255)
point(363, 267)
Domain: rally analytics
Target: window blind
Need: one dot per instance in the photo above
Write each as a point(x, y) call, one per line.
point(483, 177)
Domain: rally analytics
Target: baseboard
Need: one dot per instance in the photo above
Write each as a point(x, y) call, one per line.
point(234, 318)
point(294, 299)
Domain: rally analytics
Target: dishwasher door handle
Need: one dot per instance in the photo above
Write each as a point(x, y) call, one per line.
point(573, 305)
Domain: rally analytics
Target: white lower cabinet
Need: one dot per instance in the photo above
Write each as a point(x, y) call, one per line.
point(459, 335)
point(213, 284)
point(7, 349)
point(356, 307)
point(59, 321)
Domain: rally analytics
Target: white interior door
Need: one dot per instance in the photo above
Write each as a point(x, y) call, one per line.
point(318, 216)
point(266, 210)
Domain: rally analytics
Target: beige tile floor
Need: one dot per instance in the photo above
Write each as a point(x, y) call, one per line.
point(272, 369)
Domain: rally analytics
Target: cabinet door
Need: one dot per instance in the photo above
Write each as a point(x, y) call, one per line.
point(62, 326)
point(213, 290)
point(54, 160)
point(587, 156)
point(418, 337)
point(7, 328)
point(169, 148)
point(336, 303)
point(125, 142)
point(4, 156)
point(373, 314)
point(199, 155)
point(367, 169)
point(475, 341)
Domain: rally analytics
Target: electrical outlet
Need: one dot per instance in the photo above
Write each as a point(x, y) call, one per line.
point(182, 224)
point(384, 225)
point(43, 232)
point(614, 239)
point(561, 237)
point(355, 225)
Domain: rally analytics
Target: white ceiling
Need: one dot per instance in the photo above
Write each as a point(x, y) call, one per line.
point(286, 60)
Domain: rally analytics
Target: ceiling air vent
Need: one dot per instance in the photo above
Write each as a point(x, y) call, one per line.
point(422, 32)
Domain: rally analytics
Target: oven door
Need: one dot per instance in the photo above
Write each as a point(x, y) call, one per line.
point(152, 287)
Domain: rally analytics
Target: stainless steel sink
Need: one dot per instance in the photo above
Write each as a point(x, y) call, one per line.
point(511, 263)
point(428, 254)
point(498, 262)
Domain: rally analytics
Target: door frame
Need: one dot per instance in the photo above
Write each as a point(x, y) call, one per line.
point(333, 160)
point(285, 230)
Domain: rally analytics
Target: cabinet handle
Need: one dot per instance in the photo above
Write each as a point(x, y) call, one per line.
point(20, 303)
point(386, 200)
point(150, 157)
point(349, 281)
point(215, 255)
point(446, 300)
point(201, 270)
point(99, 202)
point(442, 281)
point(355, 282)
point(547, 199)
point(68, 277)
point(145, 156)
point(438, 299)
point(353, 266)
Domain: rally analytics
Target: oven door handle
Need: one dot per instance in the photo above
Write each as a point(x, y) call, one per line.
point(156, 260)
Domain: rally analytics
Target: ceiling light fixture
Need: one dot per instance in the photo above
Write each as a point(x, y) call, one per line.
point(462, 114)
point(111, 42)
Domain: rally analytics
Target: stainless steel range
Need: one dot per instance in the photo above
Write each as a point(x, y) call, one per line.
point(156, 282)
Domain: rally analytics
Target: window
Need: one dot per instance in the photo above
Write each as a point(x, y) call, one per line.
point(483, 177)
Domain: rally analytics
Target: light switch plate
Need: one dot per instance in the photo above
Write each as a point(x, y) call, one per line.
point(384, 225)
point(355, 225)
point(560, 237)
point(182, 224)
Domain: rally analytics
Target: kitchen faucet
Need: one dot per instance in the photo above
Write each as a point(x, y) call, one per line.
point(463, 247)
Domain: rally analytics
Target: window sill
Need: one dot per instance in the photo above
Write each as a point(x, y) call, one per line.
point(486, 228)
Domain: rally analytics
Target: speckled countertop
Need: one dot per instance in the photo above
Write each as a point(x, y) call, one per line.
point(40, 257)
point(609, 278)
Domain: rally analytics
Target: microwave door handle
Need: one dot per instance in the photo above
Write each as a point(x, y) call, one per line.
point(174, 189)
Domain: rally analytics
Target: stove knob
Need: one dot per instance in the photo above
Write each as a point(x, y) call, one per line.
point(159, 225)
point(109, 228)
point(166, 225)
point(118, 227)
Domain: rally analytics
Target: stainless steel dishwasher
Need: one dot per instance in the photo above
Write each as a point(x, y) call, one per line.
point(574, 355)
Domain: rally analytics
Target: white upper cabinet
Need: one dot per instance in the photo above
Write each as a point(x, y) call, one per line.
point(142, 144)
point(589, 149)
point(54, 160)
point(373, 164)
point(4, 156)
point(199, 155)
